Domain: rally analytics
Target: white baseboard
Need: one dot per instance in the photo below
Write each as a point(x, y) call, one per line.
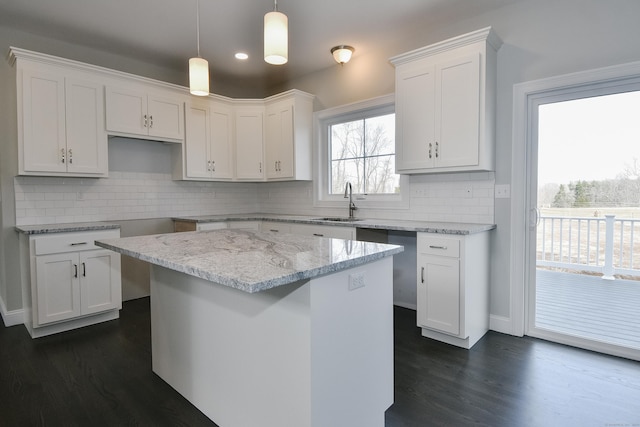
point(11, 318)
point(501, 324)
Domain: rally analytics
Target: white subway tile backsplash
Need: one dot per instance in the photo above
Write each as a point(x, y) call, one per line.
point(126, 195)
point(44, 200)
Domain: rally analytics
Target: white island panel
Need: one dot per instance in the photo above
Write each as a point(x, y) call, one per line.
point(312, 353)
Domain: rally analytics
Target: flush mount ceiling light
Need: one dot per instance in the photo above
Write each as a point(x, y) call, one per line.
point(276, 37)
point(198, 67)
point(342, 54)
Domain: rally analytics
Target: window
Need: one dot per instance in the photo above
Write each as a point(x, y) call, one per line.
point(363, 153)
point(356, 144)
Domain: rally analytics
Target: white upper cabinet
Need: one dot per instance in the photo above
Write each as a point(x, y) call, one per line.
point(221, 147)
point(208, 147)
point(288, 136)
point(139, 113)
point(67, 109)
point(86, 136)
point(249, 142)
point(61, 122)
point(445, 105)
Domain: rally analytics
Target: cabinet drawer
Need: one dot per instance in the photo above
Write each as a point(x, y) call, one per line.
point(205, 226)
point(275, 227)
point(71, 242)
point(442, 246)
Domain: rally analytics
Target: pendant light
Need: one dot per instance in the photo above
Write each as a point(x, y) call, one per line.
point(198, 67)
point(276, 38)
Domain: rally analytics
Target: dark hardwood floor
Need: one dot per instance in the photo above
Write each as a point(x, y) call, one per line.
point(101, 376)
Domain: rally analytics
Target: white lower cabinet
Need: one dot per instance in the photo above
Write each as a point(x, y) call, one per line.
point(453, 287)
point(245, 225)
point(331, 231)
point(204, 226)
point(275, 227)
point(73, 282)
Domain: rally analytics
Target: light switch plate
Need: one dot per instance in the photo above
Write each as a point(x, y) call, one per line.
point(503, 191)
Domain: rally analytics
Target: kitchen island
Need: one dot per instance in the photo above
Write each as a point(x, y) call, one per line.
point(267, 329)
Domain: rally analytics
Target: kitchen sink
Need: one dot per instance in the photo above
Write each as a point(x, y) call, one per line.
point(337, 219)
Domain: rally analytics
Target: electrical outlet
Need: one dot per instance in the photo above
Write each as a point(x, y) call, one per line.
point(502, 191)
point(356, 280)
point(468, 192)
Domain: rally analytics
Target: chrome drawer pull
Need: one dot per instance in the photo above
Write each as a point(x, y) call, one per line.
point(78, 243)
point(422, 274)
point(437, 247)
point(318, 234)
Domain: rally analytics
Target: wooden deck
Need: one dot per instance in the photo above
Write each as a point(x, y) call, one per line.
point(589, 307)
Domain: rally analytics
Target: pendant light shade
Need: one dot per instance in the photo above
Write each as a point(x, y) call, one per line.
point(198, 67)
point(276, 37)
point(199, 76)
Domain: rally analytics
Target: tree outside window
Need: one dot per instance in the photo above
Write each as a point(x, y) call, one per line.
point(363, 153)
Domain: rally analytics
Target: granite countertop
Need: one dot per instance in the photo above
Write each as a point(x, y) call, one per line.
point(248, 260)
point(66, 228)
point(383, 224)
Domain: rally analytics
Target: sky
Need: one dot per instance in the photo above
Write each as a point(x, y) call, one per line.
point(588, 139)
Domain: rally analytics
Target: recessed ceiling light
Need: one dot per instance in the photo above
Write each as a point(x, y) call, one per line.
point(241, 55)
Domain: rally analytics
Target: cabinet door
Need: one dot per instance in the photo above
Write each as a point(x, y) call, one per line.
point(100, 281)
point(126, 111)
point(165, 118)
point(438, 293)
point(86, 136)
point(273, 133)
point(57, 288)
point(279, 143)
point(43, 122)
point(197, 162)
point(286, 163)
point(221, 144)
point(458, 113)
point(415, 115)
point(249, 149)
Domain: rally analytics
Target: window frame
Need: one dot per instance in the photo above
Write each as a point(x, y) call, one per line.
point(325, 118)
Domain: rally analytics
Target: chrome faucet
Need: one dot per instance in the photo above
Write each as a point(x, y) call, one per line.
point(348, 194)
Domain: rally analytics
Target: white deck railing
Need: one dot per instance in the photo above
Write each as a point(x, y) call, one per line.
point(604, 245)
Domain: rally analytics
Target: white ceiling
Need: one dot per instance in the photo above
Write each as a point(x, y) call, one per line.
point(163, 31)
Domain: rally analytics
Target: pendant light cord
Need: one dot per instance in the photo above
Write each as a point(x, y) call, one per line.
point(198, 25)
point(275, 5)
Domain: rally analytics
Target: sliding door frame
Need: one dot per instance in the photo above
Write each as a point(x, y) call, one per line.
point(526, 99)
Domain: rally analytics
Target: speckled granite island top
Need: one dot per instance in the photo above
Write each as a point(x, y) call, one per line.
point(249, 260)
